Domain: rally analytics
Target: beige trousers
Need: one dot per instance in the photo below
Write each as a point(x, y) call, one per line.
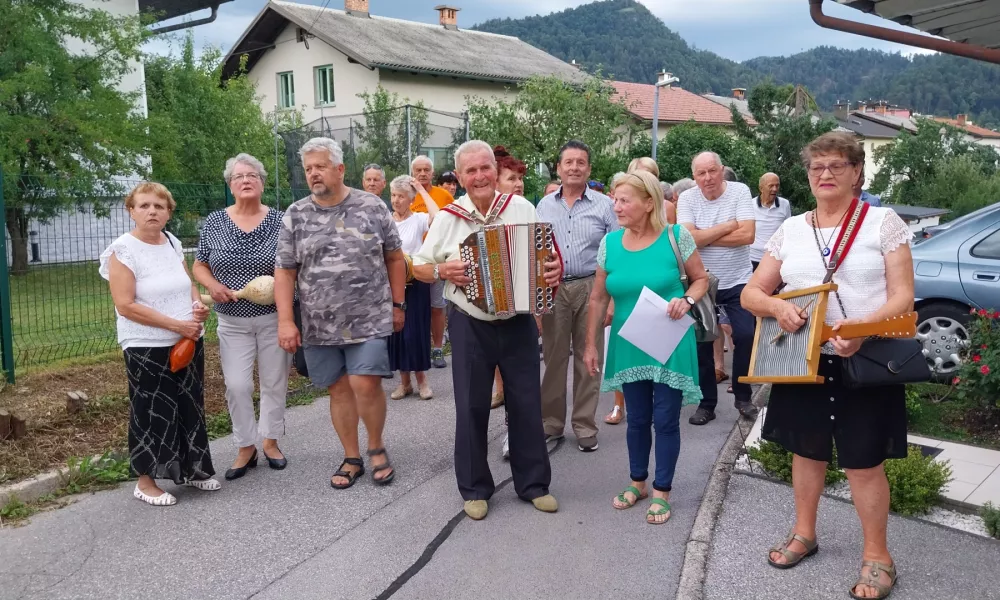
point(568, 324)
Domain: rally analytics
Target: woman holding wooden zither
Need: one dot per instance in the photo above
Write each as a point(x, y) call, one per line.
point(873, 271)
point(236, 256)
point(157, 307)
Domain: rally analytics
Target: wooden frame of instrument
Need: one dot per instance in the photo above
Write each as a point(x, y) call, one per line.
point(815, 322)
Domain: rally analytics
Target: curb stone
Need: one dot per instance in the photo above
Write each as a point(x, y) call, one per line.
point(34, 488)
point(699, 544)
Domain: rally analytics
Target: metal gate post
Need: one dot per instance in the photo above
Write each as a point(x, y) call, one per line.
point(6, 321)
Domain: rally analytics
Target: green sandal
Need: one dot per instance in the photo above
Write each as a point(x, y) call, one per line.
point(664, 508)
point(871, 579)
point(623, 500)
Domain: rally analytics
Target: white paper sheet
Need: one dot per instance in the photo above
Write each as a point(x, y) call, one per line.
point(650, 329)
point(607, 338)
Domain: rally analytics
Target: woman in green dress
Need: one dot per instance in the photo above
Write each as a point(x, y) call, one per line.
point(640, 255)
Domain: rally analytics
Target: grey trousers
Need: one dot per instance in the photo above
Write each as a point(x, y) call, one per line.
point(242, 341)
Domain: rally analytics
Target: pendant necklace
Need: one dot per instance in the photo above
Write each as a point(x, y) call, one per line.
point(827, 241)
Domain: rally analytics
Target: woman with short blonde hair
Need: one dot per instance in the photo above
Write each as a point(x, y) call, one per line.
point(641, 255)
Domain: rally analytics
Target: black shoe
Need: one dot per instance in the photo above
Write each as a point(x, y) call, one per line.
point(275, 463)
point(747, 410)
point(437, 359)
point(702, 416)
point(237, 472)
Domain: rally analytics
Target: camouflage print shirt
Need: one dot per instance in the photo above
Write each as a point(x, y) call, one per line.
point(339, 251)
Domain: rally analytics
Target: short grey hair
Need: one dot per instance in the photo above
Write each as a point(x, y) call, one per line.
point(422, 158)
point(323, 144)
point(616, 180)
point(668, 190)
point(729, 174)
point(714, 156)
point(245, 159)
point(683, 185)
point(374, 167)
point(470, 147)
point(404, 184)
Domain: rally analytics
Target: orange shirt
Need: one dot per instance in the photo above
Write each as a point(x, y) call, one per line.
point(439, 195)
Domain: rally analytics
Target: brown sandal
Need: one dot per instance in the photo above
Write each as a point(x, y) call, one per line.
point(792, 557)
point(871, 579)
point(721, 376)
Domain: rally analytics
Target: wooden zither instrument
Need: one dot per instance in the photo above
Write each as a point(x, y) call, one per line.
point(781, 357)
point(507, 268)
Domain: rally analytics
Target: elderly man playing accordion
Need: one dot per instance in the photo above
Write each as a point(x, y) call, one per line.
point(482, 341)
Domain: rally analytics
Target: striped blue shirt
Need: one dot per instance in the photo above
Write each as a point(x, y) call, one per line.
point(579, 230)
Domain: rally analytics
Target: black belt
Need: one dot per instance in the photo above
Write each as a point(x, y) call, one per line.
point(577, 278)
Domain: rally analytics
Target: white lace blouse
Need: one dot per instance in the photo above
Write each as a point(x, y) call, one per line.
point(861, 277)
point(161, 283)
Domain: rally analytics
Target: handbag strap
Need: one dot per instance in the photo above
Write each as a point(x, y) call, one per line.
point(677, 255)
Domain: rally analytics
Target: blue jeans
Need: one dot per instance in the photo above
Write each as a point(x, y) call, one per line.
point(658, 405)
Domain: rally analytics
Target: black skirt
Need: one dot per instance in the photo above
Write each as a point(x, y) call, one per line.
point(868, 425)
point(167, 438)
point(410, 349)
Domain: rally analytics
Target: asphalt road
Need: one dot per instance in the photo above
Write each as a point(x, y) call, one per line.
point(288, 535)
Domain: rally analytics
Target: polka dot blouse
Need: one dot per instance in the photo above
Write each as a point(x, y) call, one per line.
point(235, 257)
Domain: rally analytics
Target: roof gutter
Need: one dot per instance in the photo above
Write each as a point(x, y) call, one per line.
point(187, 24)
point(901, 37)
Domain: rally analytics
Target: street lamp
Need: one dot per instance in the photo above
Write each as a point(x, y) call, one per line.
point(665, 79)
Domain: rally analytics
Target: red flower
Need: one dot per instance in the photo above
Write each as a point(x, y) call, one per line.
point(976, 358)
point(985, 370)
point(972, 311)
point(956, 381)
point(984, 347)
point(983, 312)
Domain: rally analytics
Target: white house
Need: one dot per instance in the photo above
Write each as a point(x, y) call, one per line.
point(318, 60)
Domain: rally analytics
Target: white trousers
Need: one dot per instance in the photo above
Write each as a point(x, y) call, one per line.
point(241, 341)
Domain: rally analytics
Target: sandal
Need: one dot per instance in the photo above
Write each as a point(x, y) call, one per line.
point(385, 467)
point(497, 401)
point(616, 416)
point(401, 392)
point(664, 507)
point(721, 376)
point(792, 558)
point(871, 579)
point(351, 476)
point(623, 500)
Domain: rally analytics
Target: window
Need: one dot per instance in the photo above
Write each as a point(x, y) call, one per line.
point(989, 247)
point(286, 90)
point(324, 85)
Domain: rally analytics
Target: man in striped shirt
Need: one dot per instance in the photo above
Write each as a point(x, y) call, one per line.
point(720, 216)
point(580, 217)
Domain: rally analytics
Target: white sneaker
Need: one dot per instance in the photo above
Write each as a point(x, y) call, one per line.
point(164, 499)
point(506, 446)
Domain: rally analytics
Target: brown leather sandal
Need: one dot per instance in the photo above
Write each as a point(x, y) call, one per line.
point(721, 376)
point(792, 558)
point(871, 579)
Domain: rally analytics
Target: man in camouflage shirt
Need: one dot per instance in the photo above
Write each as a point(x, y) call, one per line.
point(342, 249)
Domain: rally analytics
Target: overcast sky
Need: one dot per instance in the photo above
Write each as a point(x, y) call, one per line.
point(735, 29)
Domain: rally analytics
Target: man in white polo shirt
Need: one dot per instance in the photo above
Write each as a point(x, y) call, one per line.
point(720, 216)
point(770, 211)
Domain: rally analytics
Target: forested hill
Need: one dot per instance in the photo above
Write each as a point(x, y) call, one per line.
point(627, 42)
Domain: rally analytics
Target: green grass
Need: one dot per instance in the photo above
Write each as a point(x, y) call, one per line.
point(943, 416)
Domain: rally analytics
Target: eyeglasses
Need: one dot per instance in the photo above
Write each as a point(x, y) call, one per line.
point(836, 169)
point(247, 176)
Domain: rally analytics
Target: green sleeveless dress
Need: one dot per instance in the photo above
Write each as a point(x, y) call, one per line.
point(628, 272)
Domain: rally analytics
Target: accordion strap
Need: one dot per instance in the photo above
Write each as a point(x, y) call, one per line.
point(496, 209)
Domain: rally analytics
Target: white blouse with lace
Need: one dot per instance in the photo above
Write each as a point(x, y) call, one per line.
point(161, 283)
point(860, 279)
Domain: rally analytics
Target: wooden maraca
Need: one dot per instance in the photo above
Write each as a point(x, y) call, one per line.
point(260, 290)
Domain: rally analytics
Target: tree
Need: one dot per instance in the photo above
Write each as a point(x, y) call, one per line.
point(392, 133)
point(547, 112)
point(66, 129)
point(786, 123)
point(682, 142)
point(958, 184)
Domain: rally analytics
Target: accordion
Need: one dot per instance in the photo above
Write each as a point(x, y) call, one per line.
point(507, 267)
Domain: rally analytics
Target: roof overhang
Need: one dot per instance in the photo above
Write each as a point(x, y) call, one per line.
point(966, 28)
point(169, 9)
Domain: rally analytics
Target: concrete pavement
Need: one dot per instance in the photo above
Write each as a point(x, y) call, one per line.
point(287, 534)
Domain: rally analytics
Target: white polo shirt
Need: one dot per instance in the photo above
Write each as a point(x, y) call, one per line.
point(769, 219)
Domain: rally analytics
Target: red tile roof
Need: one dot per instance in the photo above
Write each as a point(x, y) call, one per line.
point(973, 130)
point(676, 105)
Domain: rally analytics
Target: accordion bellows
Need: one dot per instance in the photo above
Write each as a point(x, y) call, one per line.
point(507, 268)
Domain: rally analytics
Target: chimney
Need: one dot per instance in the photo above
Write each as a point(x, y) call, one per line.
point(740, 93)
point(962, 120)
point(448, 16)
point(358, 8)
point(575, 64)
point(862, 106)
point(842, 110)
point(663, 76)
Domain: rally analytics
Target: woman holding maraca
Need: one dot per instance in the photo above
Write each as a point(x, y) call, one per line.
point(158, 307)
point(237, 246)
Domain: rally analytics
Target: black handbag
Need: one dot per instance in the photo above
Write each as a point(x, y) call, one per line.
point(299, 359)
point(886, 362)
point(704, 310)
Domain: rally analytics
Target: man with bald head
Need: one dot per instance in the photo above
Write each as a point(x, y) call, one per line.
point(719, 214)
point(422, 169)
point(770, 211)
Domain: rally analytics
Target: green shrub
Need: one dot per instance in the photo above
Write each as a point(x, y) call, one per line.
point(978, 376)
point(991, 518)
point(915, 482)
point(914, 408)
point(778, 462)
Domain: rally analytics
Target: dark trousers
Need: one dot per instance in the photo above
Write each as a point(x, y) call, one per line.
point(477, 349)
point(653, 406)
point(743, 325)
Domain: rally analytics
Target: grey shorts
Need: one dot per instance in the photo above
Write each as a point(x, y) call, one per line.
point(327, 364)
point(437, 294)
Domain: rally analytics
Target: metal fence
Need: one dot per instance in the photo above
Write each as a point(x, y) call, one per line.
point(390, 138)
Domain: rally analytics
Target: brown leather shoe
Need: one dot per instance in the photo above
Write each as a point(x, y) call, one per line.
point(721, 376)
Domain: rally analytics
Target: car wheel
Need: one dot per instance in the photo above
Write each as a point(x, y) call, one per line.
point(941, 330)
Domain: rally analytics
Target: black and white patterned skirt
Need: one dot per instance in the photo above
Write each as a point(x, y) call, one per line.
point(167, 438)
